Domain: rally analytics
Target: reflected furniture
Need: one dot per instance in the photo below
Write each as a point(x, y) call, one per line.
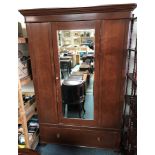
point(111, 24)
point(85, 66)
point(80, 78)
point(73, 95)
point(75, 78)
point(73, 56)
point(70, 56)
point(65, 66)
point(88, 56)
point(84, 74)
point(77, 59)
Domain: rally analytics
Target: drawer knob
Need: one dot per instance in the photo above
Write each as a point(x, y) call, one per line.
point(98, 139)
point(58, 135)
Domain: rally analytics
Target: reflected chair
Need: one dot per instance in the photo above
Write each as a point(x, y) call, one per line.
point(65, 69)
point(73, 96)
point(88, 61)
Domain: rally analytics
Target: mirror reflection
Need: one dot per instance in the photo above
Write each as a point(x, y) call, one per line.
point(76, 49)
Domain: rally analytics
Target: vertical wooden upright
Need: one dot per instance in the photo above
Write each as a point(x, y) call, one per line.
point(23, 115)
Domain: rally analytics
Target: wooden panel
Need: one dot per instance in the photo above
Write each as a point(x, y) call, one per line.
point(92, 9)
point(75, 25)
point(26, 151)
point(79, 17)
point(112, 73)
point(43, 70)
point(81, 137)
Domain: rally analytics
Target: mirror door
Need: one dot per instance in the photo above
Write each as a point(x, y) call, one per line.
point(77, 71)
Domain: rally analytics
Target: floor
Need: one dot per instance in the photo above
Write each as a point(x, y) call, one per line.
point(89, 100)
point(55, 149)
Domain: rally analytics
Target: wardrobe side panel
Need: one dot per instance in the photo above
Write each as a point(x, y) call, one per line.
point(41, 54)
point(112, 71)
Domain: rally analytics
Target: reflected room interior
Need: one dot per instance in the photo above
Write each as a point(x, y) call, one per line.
point(76, 50)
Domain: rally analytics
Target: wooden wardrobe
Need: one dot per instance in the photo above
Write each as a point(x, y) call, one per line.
point(111, 24)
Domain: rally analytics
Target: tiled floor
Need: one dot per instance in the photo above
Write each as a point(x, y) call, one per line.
point(53, 149)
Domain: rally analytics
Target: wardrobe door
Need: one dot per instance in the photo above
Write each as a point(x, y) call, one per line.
point(112, 70)
point(67, 39)
point(41, 54)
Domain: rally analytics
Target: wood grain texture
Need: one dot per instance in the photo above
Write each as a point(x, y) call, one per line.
point(27, 152)
point(43, 71)
point(79, 17)
point(82, 137)
point(81, 13)
point(113, 48)
point(79, 10)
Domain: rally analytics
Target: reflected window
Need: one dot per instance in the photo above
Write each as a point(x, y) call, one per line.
point(76, 50)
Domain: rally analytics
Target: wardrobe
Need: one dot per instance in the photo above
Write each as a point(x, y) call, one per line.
point(111, 24)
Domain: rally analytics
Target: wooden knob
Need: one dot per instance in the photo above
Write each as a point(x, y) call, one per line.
point(98, 139)
point(58, 135)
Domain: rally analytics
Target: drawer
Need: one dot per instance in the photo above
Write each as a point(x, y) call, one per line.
point(81, 137)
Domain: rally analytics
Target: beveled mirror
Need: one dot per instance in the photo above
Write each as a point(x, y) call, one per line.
point(76, 52)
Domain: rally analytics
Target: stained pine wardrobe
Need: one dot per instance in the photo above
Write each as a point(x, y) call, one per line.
point(111, 25)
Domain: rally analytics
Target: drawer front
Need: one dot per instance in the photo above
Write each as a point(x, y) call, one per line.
point(81, 137)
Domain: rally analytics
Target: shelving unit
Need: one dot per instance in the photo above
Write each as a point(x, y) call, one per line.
point(25, 112)
point(129, 127)
point(132, 78)
point(22, 116)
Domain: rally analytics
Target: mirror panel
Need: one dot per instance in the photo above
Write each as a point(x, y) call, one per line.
point(76, 50)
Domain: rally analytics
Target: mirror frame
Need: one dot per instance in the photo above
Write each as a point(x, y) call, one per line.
point(75, 26)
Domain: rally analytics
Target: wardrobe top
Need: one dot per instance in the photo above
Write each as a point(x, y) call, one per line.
point(79, 10)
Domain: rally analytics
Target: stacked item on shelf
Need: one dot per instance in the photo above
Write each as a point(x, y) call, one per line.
point(20, 31)
point(29, 104)
point(22, 34)
point(29, 107)
point(27, 119)
point(129, 127)
point(33, 131)
point(24, 65)
point(21, 139)
point(30, 98)
point(33, 128)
